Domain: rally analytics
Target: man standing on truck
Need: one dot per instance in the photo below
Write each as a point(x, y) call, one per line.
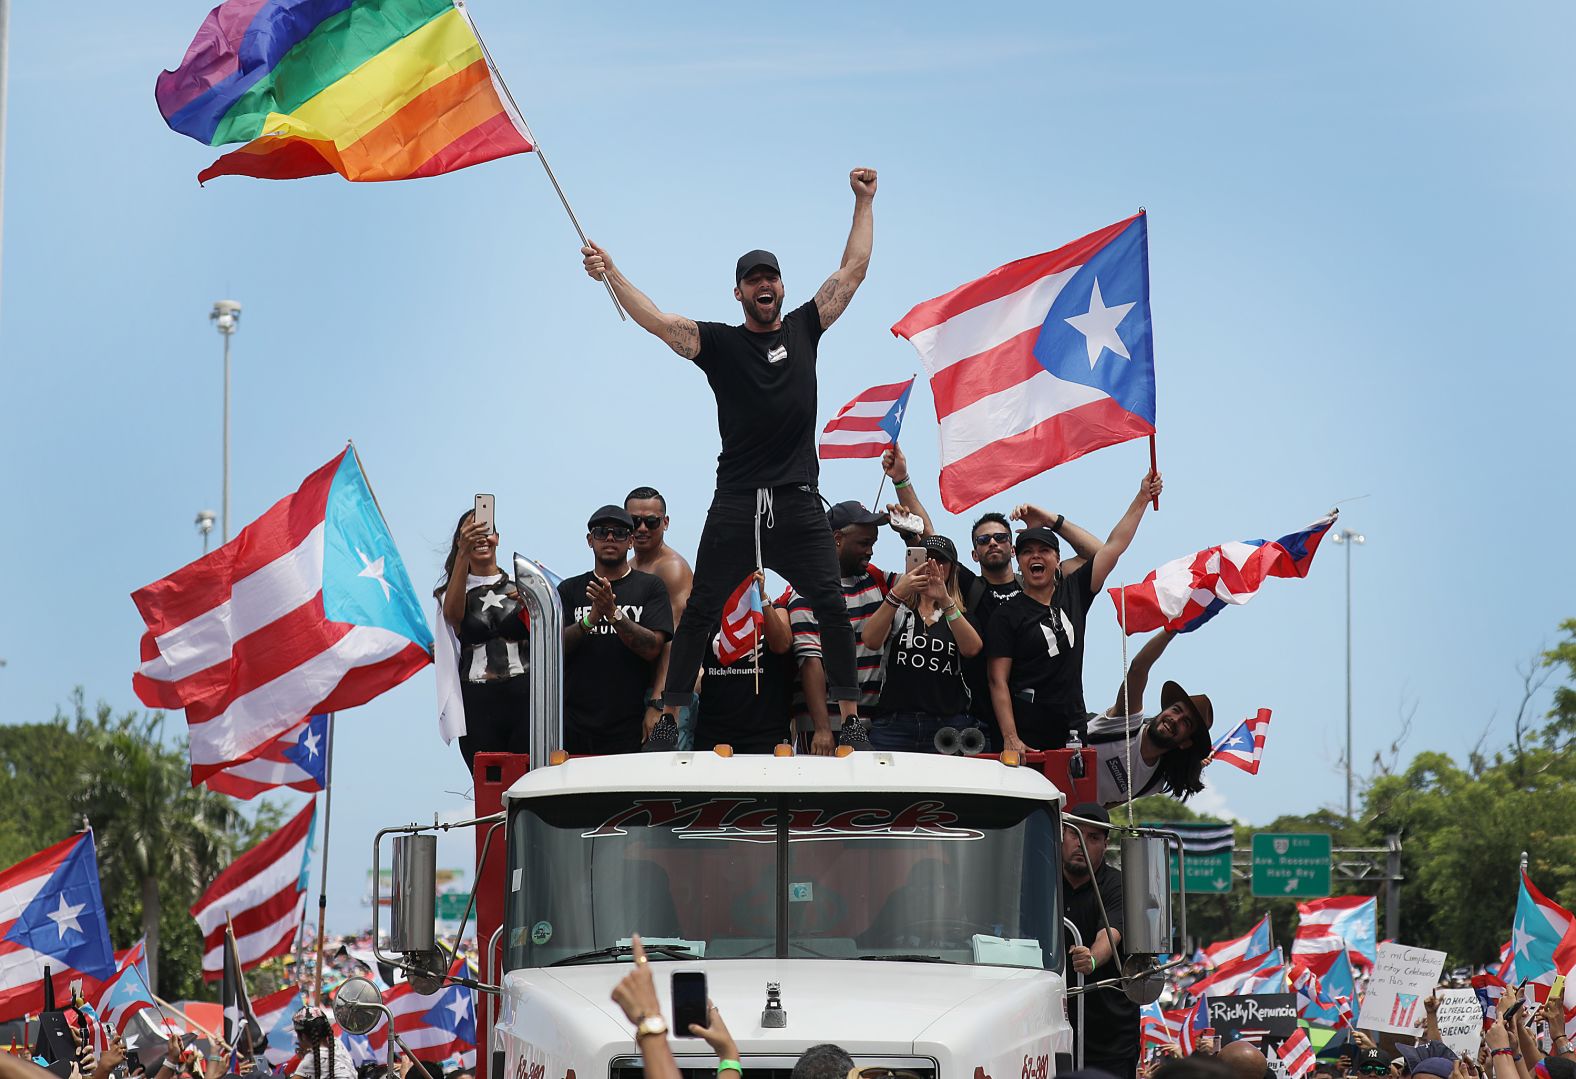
point(766, 508)
point(649, 510)
point(1110, 1035)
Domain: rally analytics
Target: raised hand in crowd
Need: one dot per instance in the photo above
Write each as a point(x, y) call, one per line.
point(113, 1056)
point(219, 1064)
point(1363, 1040)
point(895, 465)
point(636, 994)
point(1497, 1038)
point(1552, 1012)
point(1083, 542)
point(1431, 1016)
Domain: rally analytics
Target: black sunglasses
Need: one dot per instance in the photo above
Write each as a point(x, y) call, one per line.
point(602, 532)
point(986, 538)
point(651, 523)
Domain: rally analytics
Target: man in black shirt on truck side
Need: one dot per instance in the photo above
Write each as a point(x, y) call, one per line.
point(762, 374)
point(1110, 1033)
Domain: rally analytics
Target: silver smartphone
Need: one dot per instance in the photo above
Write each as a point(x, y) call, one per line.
point(484, 513)
point(915, 558)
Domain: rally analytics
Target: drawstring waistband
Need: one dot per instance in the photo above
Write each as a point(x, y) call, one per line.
point(763, 508)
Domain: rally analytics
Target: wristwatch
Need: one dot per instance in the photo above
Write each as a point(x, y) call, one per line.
point(651, 1024)
point(618, 615)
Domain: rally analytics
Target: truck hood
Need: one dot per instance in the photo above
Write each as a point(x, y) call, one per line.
point(849, 1002)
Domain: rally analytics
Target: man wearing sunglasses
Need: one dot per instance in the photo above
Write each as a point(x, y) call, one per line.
point(649, 512)
point(617, 621)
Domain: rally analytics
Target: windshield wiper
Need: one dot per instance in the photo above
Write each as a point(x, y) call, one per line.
point(910, 958)
point(667, 951)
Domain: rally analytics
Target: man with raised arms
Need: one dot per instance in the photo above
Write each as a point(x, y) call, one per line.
point(762, 374)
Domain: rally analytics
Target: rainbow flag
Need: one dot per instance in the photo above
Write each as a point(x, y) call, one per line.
point(370, 89)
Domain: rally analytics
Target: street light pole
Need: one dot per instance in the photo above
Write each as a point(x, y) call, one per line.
point(226, 317)
point(1349, 539)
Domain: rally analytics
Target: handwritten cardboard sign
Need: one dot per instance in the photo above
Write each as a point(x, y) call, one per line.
point(1460, 1020)
point(1402, 979)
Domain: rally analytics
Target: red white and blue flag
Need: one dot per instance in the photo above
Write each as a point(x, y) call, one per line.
point(1252, 944)
point(1296, 1052)
point(1194, 1022)
point(1535, 936)
point(309, 609)
point(1040, 361)
point(435, 1026)
point(126, 993)
point(275, 1014)
point(1328, 927)
point(260, 893)
point(1489, 989)
point(1186, 592)
point(1158, 1027)
point(868, 425)
point(297, 759)
point(1243, 975)
point(742, 618)
point(52, 915)
point(1315, 1003)
point(1244, 747)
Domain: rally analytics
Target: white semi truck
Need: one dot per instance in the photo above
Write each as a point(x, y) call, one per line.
point(904, 906)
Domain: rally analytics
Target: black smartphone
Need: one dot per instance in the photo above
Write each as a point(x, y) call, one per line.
point(1514, 1008)
point(689, 1002)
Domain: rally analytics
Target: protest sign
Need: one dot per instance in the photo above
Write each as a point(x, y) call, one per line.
point(1460, 1021)
point(1260, 1018)
point(1402, 979)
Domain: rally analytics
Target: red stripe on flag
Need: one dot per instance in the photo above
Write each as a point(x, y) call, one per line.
point(494, 138)
point(1000, 368)
point(863, 449)
point(1006, 280)
point(256, 918)
point(257, 861)
point(855, 423)
point(1062, 438)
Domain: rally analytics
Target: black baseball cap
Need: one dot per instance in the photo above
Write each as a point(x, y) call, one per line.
point(1040, 534)
point(846, 514)
point(1091, 811)
point(751, 259)
point(940, 545)
point(611, 514)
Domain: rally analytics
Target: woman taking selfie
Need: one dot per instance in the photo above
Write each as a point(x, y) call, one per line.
point(921, 625)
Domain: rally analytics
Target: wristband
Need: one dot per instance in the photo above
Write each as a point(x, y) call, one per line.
point(1500, 1052)
point(729, 1066)
point(898, 485)
point(954, 616)
point(891, 597)
point(1057, 527)
point(585, 622)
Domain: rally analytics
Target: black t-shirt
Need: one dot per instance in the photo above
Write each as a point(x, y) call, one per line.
point(765, 389)
point(1110, 1019)
point(492, 630)
point(980, 599)
point(924, 669)
point(730, 709)
point(1046, 645)
point(605, 683)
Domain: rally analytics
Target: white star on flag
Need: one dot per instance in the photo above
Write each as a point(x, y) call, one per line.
point(460, 1008)
point(309, 743)
point(65, 917)
point(374, 570)
point(491, 599)
point(1519, 937)
point(1098, 325)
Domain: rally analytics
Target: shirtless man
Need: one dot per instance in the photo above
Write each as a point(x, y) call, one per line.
point(653, 555)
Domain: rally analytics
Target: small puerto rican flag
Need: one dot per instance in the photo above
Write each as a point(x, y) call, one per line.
point(869, 424)
point(1296, 1052)
point(1244, 747)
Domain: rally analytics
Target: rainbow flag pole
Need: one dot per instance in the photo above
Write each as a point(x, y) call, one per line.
point(540, 155)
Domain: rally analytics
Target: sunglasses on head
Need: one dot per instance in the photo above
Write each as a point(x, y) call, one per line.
point(986, 538)
point(652, 522)
point(602, 532)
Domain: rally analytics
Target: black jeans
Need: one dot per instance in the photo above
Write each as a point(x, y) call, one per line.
point(497, 717)
point(795, 542)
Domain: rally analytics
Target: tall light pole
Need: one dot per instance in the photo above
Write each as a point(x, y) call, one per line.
point(226, 317)
point(5, 20)
point(204, 524)
point(1349, 539)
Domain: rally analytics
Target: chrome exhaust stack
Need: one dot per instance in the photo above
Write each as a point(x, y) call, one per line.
point(546, 654)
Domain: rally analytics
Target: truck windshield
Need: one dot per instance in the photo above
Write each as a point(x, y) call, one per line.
point(899, 876)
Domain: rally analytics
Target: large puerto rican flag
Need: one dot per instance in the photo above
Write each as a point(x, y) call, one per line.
point(260, 893)
point(308, 610)
point(1252, 944)
point(1540, 926)
point(1039, 362)
point(52, 915)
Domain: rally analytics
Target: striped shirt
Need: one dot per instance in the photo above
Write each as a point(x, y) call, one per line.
point(863, 594)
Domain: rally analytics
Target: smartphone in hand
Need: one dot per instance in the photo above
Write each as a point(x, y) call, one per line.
point(689, 1002)
point(484, 513)
point(914, 558)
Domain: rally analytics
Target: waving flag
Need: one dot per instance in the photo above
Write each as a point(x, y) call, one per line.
point(1186, 592)
point(52, 915)
point(1252, 944)
point(1157, 1027)
point(242, 1030)
point(1040, 361)
point(742, 618)
point(308, 610)
point(126, 992)
point(1327, 927)
point(370, 89)
point(434, 1025)
point(297, 759)
point(1489, 989)
point(1536, 933)
point(261, 893)
point(1239, 975)
point(868, 425)
point(1194, 1022)
point(275, 1014)
point(1244, 747)
point(1315, 1003)
point(1296, 1052)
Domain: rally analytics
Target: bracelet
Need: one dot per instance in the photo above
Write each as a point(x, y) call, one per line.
point(954, 616)
point(898, 485)
point(1057, 527)
point(729, 1066)
point(1500, 1052)
point(891, 597)
point(585, 622)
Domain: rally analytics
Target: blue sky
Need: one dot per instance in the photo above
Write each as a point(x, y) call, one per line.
point(1360, 229)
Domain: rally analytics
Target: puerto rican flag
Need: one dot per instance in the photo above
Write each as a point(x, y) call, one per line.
point(1252, 944)
point(1159, 1027)
point(1315, 1003)
point(1238, 975)
point(1039, 362)
point(309, 609)
point(1489, 989)
point(275, 1014)
point(126, 992)
point(297, 759)
point(1195, 1021)
point(1244, 747)
point(52, 915)
point(261, 893)
point(742, 619)
point(1327, 927)
point(1296, 1052)
point(1540, 926)
point(868, 425)
point(435, 1026)
point(1186, 592)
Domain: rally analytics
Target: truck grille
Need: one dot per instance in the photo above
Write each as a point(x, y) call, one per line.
point(774, 1067)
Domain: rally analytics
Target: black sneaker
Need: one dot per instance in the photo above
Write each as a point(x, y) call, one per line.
point(664, 737)
point(855, 733)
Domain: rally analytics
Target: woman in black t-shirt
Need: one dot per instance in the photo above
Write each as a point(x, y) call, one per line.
point(921, 624)
point(481, 607)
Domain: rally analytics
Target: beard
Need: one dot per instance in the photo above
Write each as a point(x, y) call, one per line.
point(764, 315)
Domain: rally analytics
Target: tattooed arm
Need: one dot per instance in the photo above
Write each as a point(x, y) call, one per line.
point(677, 332)
point(833, 297)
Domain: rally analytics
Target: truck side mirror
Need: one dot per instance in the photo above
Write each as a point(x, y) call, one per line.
point(358, 1006)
